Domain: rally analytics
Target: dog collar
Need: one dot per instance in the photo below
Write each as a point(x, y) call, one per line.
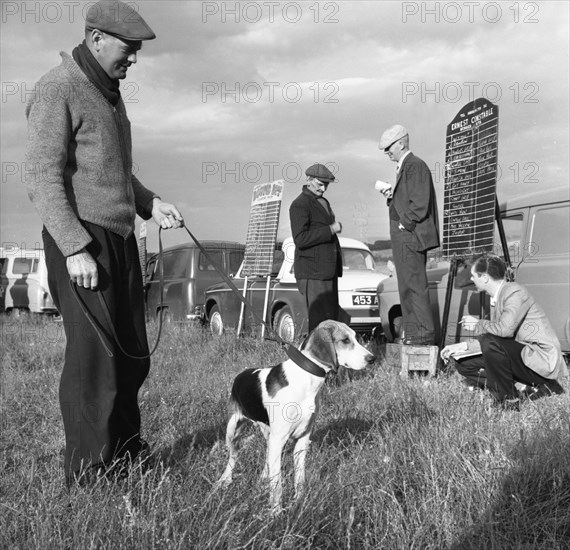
point(304, 362)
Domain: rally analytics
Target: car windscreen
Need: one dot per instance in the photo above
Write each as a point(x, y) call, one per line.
point(356, 258)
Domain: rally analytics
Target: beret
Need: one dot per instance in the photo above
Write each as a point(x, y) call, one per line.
point(320, 172)
point(391, 135)
point(118, 19)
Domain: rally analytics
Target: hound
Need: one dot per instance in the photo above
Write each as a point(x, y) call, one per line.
point(283, 401)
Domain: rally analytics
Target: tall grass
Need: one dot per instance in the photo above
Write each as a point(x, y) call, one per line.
point(395, 463)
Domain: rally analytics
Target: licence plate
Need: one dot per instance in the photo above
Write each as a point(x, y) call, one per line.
point(364, 299)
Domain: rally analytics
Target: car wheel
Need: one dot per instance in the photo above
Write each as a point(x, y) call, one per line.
point(284, 325)
point(216, 322)
point(166, 316)
point(396, 326)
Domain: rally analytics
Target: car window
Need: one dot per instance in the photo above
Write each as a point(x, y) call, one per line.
point(354, 258)
point(551, 231)
point(513, 226)
point(23, 266)
point(278, 258)
point(175, 264)
point(4, 265)
point(150, 266)
point(216, 257)
point(235, 259)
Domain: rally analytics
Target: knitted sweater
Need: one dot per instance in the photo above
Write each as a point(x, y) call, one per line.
point(78, 159)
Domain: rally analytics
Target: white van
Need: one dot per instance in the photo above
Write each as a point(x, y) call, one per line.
point(24, 285)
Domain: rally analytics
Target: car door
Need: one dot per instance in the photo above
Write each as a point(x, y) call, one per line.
point(544, 268)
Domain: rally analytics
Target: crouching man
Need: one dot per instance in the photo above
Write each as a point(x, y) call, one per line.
point(520, 353)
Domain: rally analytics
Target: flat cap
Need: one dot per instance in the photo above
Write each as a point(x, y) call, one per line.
point(320, 172)
point(119, 19)
point(391, 135)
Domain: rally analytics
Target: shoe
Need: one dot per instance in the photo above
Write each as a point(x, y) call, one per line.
point(417, 342)
point(511, 404)
point(532, 393)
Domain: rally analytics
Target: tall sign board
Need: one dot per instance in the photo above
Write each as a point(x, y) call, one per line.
point(470, 180)
point(262, 229)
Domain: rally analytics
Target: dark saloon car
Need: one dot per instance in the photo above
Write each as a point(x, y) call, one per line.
point(187, 274)
point(285, 309)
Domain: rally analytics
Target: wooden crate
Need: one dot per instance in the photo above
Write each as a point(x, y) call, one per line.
point(412, 358)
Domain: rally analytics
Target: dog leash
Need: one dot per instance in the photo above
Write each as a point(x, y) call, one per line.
point(292, 352)
point(105, 308)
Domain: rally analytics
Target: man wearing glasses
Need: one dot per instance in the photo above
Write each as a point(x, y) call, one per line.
point(318, 257)
point(412, 209)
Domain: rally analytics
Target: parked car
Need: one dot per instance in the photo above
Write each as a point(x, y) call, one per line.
point(537, 228)
point(187, 273)
point(286, 312)
point(24, 282)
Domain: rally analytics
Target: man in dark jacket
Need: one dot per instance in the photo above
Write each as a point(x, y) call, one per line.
point(413, 231)
point(318, 257)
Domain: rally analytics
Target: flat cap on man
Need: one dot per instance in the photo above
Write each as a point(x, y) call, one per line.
point(391, 135)
point(118, 19)
point(320, 172)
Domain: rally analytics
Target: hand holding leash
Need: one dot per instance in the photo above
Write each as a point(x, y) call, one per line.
point(82, 269)
point(166, 215)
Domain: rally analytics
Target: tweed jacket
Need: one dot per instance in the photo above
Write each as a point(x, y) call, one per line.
point(517, 315)
point(78, 159)
point(317, 249)
point(413, 202)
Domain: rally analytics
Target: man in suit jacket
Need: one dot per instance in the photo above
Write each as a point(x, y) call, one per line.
point(518, 345)
point(318, 257)
point(413, 231)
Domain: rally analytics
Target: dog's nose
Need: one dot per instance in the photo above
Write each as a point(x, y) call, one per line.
point(370, 359)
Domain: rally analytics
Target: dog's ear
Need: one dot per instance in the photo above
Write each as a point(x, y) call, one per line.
point(321, 344)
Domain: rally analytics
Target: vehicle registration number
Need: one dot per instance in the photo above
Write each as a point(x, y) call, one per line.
point(364, 299)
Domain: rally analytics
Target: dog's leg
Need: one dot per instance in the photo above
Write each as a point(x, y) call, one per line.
point(272, 470)
point(299, 456)
point(233, 430)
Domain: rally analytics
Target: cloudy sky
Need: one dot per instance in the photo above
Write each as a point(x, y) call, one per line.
point(233, 94)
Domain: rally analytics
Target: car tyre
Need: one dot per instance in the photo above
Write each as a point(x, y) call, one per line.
point(166, 316)
point(284, 324)
point(216, 322)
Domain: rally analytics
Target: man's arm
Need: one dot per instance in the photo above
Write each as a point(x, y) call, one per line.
point(306, 235)
point(49, 133)
point(514, 309)
point(418, 182)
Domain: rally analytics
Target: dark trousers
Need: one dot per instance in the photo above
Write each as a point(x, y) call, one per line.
point(321, 298)
point(98, 393)
point(410, 262)
point(499, 367)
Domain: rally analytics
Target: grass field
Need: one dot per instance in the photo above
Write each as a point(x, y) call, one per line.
point(395, 463)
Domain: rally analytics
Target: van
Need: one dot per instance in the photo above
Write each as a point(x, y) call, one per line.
point(187, 274)
point(25, 282)
point(537, 231)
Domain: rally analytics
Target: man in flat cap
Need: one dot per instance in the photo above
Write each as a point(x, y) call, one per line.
point(414, 230)
point(82, 185)
point(318, 257)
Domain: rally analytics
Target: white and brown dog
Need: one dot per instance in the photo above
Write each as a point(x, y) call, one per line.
point(283, 400)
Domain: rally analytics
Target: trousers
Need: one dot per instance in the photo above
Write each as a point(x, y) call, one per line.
point(321, 298)
point(410, 262)
point(499, 367)
point(98, 393)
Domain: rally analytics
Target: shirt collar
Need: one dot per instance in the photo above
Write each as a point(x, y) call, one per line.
point(494, 298)
point(399, 165)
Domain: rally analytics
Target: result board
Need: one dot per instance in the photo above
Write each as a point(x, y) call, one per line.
point(470, 180)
